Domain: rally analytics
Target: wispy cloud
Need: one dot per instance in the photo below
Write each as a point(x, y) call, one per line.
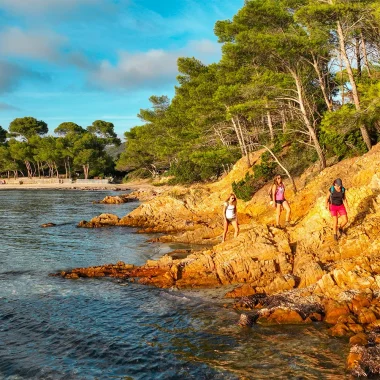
point(8, 107)
point(151, 68)
point(11, 74)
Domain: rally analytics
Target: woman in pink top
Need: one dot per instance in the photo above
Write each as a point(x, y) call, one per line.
point(279, 201)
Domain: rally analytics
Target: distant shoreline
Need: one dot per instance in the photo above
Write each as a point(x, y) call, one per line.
point(77, 186)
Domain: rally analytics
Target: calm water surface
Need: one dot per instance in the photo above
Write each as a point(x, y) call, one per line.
point(52, 328)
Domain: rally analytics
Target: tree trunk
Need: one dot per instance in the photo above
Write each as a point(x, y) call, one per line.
point(358, 56)
point(270, 124)
point(86, 170)
point(365, 55)
point(238, 136)
point(307, 122)
point(28, 168)
point(68, 164)
point(355, 93)
point(283, 168)
point(322, 84)
point(244, 144)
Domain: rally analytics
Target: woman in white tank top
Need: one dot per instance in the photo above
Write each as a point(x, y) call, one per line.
point(230, 215)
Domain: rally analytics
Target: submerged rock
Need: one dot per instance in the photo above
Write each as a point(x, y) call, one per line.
point(45, 225)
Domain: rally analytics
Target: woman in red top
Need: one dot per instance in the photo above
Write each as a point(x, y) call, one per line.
point(279, 201)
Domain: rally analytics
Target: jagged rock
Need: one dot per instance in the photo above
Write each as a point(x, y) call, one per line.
point(359, 339)
point(285, 316)
point(366, 316)
point(117, 199)
point(335, 310)
point(340, 329)
point(102, 220)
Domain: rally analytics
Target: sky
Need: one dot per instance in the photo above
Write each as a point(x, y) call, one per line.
point(85, 60)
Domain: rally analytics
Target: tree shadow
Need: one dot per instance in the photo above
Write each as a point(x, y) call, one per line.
point(365, 207)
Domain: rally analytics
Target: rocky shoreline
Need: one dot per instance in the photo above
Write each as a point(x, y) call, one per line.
point(296, 275)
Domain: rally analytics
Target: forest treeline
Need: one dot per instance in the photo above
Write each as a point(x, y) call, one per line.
point(27, 149)
point(298, 77)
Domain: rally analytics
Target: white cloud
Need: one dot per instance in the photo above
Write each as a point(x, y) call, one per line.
point(151, 68)
point(37, 45)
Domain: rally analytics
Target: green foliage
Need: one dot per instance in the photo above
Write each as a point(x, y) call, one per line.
point(26, 127)
point(245, 188)
point(3, 135)
point(266, 169)
point(340, 132)
point(137, 174)
point(201, 165)
point(66, 128)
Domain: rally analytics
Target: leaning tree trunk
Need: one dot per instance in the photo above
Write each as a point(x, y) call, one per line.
point(241, 141)
point(283, 168)
point(246, 150)
point(270, 124)
point(307, 122)
point(322, 84)
point(355, 93)
point(365, 54)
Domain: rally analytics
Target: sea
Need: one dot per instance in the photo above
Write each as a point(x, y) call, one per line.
point(53, 328)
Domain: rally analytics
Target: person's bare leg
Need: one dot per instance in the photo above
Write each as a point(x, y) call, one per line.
point(335, 224)
point(236, 228)
point(278, 214)
point(225, 231)
point(288, 211)
point(343, 221)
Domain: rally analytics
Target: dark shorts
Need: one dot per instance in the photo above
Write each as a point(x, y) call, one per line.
point(280, 202)
point(230, 220)
point(337, 210)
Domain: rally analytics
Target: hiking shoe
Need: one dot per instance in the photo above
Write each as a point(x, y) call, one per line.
point(341, 231)
point(336, 237)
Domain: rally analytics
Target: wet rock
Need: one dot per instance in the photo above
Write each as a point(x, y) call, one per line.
point(48, 225)
point(117, 199)
point(340, 329)
point(102, 220)
point(366, 316)
point(241, 291)
point(359, 339)
point(285, 316)
point(364, 361)
point(246, 320)
point(334, 310)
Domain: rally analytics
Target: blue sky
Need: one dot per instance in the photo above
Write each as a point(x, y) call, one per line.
point(83, 60)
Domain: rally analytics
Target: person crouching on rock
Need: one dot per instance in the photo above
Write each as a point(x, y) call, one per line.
point(279, 201)
point(336, 202)
point(230, 215)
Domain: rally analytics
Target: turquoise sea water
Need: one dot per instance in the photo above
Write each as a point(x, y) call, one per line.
point(52, 328)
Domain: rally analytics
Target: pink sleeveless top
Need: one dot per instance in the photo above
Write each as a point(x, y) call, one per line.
point(280, 190)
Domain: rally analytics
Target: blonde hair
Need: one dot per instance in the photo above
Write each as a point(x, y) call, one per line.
point(232, 195)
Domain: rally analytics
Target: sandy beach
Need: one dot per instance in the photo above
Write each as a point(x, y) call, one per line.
point(78, 186)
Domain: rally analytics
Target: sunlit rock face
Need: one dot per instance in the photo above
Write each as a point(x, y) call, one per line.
point(342, 277)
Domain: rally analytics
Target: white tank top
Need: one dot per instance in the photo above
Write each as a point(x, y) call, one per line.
point(230, 211)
